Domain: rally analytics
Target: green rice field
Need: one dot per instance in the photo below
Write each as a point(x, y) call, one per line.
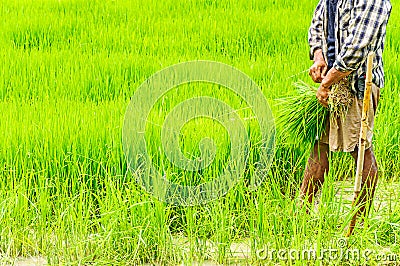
point(68, 70)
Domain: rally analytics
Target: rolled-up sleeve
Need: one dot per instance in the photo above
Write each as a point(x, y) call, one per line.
point(364, 28)
point(315, 31)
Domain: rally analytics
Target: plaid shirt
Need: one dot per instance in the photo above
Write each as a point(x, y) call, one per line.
point(360, 27)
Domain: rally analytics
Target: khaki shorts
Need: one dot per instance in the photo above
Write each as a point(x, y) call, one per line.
point(343, 134)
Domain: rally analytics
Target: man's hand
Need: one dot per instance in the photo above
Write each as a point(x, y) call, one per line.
point(322, 95)
point(319, 68)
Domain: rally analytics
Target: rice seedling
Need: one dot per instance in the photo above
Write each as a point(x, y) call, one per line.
point(301, 117)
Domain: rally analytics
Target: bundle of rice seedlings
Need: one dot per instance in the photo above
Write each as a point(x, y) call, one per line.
point(302, 118)
point(340, 98)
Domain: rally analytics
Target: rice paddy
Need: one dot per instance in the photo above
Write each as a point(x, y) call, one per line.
point(68, 71)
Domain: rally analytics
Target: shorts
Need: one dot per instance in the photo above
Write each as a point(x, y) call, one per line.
point(342, 134)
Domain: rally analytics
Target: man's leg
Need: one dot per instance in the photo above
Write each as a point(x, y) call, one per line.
point(369, 180)
point(317, 167)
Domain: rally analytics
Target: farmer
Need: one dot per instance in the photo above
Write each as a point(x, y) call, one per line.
point(341, 35)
